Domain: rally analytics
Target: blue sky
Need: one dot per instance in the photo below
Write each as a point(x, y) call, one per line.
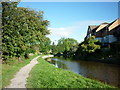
point(71, 19)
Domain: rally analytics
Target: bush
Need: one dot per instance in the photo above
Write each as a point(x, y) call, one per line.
point(87, 48)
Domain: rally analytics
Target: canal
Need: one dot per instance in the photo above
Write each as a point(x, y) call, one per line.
point(107, 73)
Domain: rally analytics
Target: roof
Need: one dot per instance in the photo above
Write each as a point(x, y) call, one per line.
point(92, 27)
point(114, 24)
point(101, 26)
point(105, 23)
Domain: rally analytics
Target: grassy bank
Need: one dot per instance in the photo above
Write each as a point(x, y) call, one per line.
point(45, 75)
point(9, 70)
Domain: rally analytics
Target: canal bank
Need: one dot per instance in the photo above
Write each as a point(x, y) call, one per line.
point(95, 58)
point(107, 73)
point(46, 75)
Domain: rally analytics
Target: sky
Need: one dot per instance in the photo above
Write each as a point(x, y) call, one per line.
point(63, 0)
point(71, 19)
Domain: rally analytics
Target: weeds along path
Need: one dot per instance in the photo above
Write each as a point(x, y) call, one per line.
point(19, 80)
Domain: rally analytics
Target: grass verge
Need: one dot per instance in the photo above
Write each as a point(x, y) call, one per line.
point(45, 75)
point(9, 70)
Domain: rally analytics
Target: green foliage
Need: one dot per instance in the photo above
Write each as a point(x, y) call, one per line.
point(115, 47)
point(65, 45)
point(23, 28)
point(45, 75)
point(54, 48)
point(87, 47)
point(46, 46)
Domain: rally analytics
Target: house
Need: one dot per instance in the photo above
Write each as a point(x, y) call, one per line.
point(101, 31)
point(105, 32)
point(114, 31)
point(90, 31)
point(111, 33)
point(94, 30)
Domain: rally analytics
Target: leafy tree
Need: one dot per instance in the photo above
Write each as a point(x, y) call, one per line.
point(46, 46)
point(65, 45)
point(23, 29)
point(0, 29)
point(87, 47)
point(54, 48)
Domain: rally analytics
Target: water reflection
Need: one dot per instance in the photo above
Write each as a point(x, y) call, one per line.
point(104, 72)
point(59, 64)
point(107, 73)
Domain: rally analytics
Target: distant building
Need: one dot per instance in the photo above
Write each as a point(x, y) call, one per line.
point(114, 31)
point(105, 32)
point(90, 31)
point(101, 32)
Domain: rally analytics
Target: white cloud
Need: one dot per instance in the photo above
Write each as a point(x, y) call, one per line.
point(63, 31)
point(77, 31)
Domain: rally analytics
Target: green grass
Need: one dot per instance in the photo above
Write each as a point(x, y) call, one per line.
point(9, 70)
point(45, 75)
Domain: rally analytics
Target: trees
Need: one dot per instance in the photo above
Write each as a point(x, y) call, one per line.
point(45, 48)
point(54, 48)
point(23, 28)
point(87, 47)
point(64, 46)
point(67, 46)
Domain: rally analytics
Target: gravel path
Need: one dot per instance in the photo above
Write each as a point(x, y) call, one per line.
point(19, 80)
point(47, 56)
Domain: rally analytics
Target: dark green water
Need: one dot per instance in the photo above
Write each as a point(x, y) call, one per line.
point(107, 73)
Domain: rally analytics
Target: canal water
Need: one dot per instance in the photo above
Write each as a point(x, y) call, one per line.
point(107, 73)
